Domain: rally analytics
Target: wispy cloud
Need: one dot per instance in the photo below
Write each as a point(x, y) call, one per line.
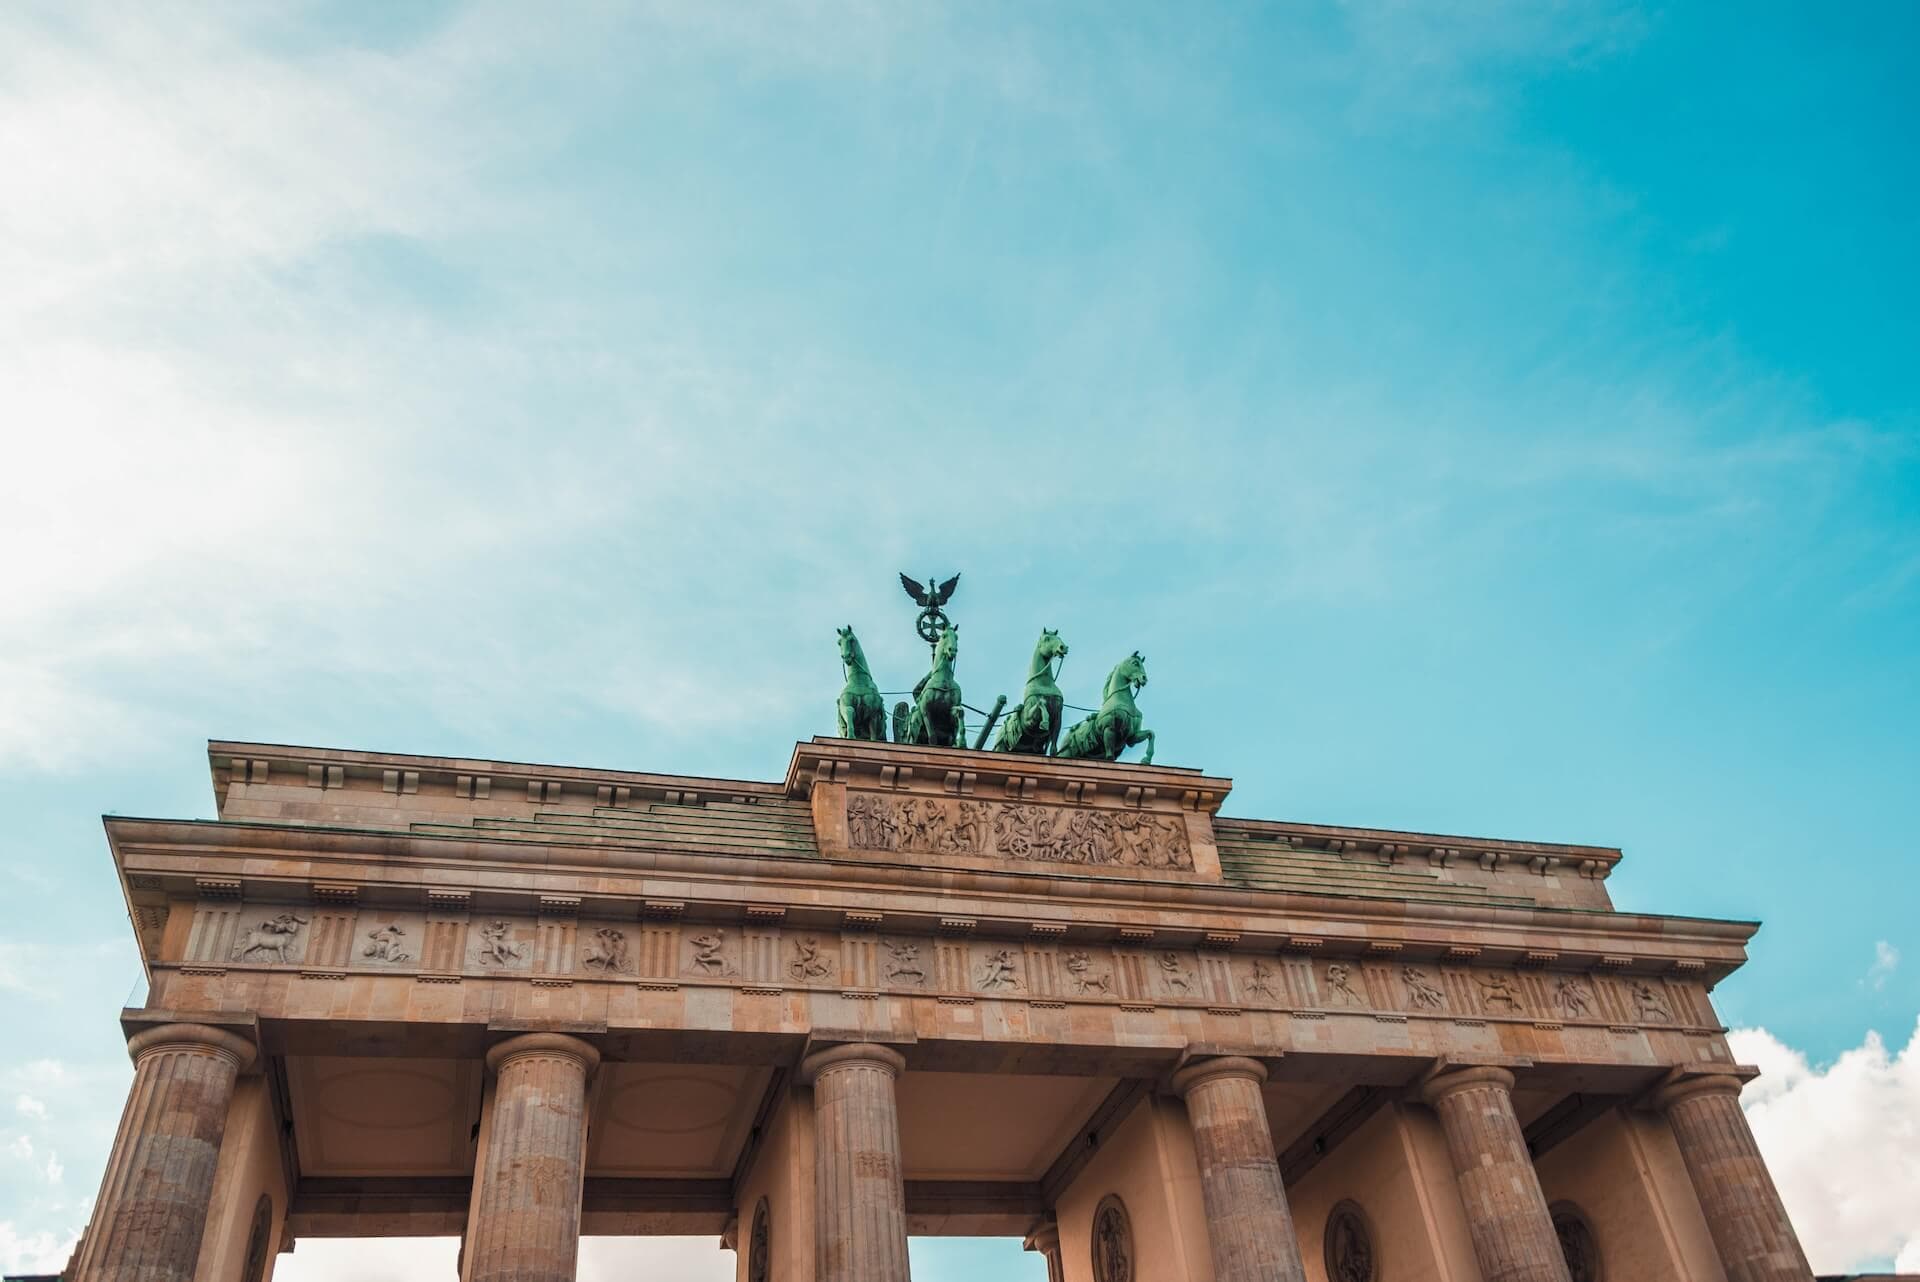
point(1886, 960)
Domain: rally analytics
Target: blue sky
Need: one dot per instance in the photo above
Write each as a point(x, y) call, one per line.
point(1493, 418)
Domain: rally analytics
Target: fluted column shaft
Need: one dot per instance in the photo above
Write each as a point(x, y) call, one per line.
point(1743, 1210)
point(1249, 1228)
point(152, 1208)
point(1507, 1218)
point(526, 1220)
point(860, 1202)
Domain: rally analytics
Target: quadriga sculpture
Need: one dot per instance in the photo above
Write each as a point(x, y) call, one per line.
point(1118, 725)
point(936, 717)
point(1035, 725)
point(863, 713)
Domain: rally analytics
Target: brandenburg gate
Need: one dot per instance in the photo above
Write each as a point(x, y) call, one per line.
point(909, 990)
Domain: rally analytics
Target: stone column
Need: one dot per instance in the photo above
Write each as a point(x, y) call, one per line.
point(526, 1219)
point(1045, 1238)
point(1250, 1230)
point(1513, 1237)
point(860, 1202)
point(152, 1208)
point(1743, 1210)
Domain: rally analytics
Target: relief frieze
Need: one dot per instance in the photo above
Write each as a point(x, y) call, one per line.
point(921, 825)
point(381, 939)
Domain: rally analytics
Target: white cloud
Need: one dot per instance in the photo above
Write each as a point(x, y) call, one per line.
point(53, 1170)
point(40, 1252)
point(22, 1148)
point(28, 1106)
point(1843, 1142)
point(1886, 960)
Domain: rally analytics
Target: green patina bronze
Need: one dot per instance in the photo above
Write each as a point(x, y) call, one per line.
point(1117, 726)
point(1034, 726)
point(936, 717)
point(863, 713)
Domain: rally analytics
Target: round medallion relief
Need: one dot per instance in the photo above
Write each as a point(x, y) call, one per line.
point(259, 1241)
point(1112, 1241)
point(1349, 1246)
point(1577, 1242)
point(760, 1245)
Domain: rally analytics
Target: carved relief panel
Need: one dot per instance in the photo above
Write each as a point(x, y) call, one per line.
point(385, 940)
point(501, 944)
point(912, 824)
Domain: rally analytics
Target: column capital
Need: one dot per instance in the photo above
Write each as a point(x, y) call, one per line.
point(1230, 1067)
point(553, 1045)
point(1451, 1081)
point(201, 1038)
point(1686, 1088)
point(851, 1055)
point(1043, 1237)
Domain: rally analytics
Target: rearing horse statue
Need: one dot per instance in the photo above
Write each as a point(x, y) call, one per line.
point(863, 713)
point(1035, 725)
point(1117, 726)
point(936, 718)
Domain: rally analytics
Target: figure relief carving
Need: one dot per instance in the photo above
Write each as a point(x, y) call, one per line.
point(903, 962)
point(387, 944)
point(1499, 990)
point(1649, 1004)
point(1047, 834)
point(807, 963)
point(915, 825)
point(1115, 838)
point(1421, 990)
point(1112, 1241)
point(707, 957)
point(1349, 1254)
point(1260, 981)
point(607, 952)
point(1173, 974)
point(1340, 988)
point(271, 938)
point(760, 1246)
point(999, 971)
point(1577, 1242)
point(1574, 998)
point(1086, 979)
point(498, 947)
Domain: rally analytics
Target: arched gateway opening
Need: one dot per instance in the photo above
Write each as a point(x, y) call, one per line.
point(904, 991)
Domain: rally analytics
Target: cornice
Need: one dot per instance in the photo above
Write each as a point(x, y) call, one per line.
point(729, 881)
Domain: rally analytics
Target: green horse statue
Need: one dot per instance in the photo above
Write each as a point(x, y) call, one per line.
point(1117, 726)
point(863, 713)
point(936, 718)
point(1034, 726)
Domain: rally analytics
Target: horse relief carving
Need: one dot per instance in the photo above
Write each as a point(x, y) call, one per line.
point(999, 971)
point(1175, 975)
point(1260, 981)
point(1498, 990)
point(1086, 980)
point(498, 947)
point(1573, 998)
point(272, 939)
point(1649, 1007)
point(807, 962)
point(607, 951)
point(903, 963)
